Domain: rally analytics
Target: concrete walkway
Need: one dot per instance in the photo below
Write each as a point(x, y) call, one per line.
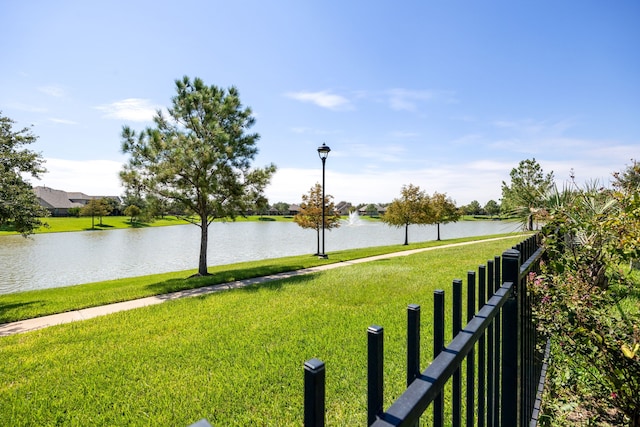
point(88, 313)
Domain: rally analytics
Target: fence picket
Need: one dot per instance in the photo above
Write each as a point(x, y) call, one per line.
point(503, 334)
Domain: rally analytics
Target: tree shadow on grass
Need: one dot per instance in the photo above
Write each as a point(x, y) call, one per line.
point(218, 278)
point(277, 283)
point(7, 227)
point(137, 224)
point(7, 308)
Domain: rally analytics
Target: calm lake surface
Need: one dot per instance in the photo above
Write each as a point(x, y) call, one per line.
point(63, 259)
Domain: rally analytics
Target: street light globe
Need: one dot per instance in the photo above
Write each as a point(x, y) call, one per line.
point(323, 151)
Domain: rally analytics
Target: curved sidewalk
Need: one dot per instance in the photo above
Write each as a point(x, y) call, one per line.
point(88, 313)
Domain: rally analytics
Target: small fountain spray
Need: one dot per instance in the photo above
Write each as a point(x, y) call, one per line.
point(353, 220)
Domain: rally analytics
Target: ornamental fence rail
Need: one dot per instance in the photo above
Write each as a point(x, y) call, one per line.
point(503, 364)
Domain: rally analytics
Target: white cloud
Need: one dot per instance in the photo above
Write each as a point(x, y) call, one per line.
point(479, 180)
point(130, 109)
point(409, 100)
point(389, 153)
point(463, 183)
point(55, 91)
point(322, 99)
point(62, 121)
point(92, 177)
point(404, 134)
point(27, 107)
point(535, 128)
point(313, 131)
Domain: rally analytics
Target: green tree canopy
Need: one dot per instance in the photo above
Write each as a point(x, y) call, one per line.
point(372, 210)
point(281, 207)
point(199, 157)
point(412, 207)
point(19, 207)
point(473, 208)
point(528, 191)
point(96, 208)
point(442, 210)
point(310, 215)
point(492, 208)
point(629, 179)
point(132, 211)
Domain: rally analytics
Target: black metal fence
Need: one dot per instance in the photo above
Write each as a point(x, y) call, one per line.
point(499, 342)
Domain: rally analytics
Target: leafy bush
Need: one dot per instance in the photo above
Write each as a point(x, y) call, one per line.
point(587, 300)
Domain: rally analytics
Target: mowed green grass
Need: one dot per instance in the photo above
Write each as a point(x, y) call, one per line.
point(236, 357)
point(37, 303)
point(66, 224)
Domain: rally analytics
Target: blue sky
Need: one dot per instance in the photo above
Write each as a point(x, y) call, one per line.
point(446, 95)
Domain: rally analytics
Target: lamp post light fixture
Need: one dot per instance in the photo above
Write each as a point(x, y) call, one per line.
point(323, 152)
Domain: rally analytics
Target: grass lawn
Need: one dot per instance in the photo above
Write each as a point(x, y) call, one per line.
point(234, 357)
point(64, 224)
point(25, 305)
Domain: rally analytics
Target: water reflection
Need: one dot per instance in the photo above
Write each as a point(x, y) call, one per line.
point(61, 259)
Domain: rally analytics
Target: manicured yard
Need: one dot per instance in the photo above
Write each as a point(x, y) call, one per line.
point(235, 357)
point(25, 305)
point(64, 224)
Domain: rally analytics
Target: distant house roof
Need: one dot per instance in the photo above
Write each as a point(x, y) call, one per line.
point(55, 199)
point(378, 208)
point(294, 209)
point(79, 197)
point(59, 199)
point(273, 211)
point(343, 208)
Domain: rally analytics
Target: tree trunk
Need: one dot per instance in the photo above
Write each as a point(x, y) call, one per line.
point(204, 238)
point(406, 234)
point(438, 232)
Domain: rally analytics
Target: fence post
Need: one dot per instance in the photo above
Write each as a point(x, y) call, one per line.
point(413, 345)
point(456, 326)
point(491, 356)
point(482, 352)
point(438, 346)
point(471, 374)
point(375, 372)
point(498, 343)
point(314, 383)
point(511, 405)
point(413, 342)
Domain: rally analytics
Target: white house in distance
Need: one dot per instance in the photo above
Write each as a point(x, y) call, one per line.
point(58, 202)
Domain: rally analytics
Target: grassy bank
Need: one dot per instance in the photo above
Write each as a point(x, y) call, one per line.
point(25, 305)
point(235, 357)
point(66, 224)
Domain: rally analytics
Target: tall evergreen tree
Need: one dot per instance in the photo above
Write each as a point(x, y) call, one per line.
point(527, 193)
point(199, 157)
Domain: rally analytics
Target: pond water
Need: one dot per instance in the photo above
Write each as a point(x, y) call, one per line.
point(62, 259)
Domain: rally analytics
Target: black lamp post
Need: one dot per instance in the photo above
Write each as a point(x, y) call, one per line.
point(323, 152)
